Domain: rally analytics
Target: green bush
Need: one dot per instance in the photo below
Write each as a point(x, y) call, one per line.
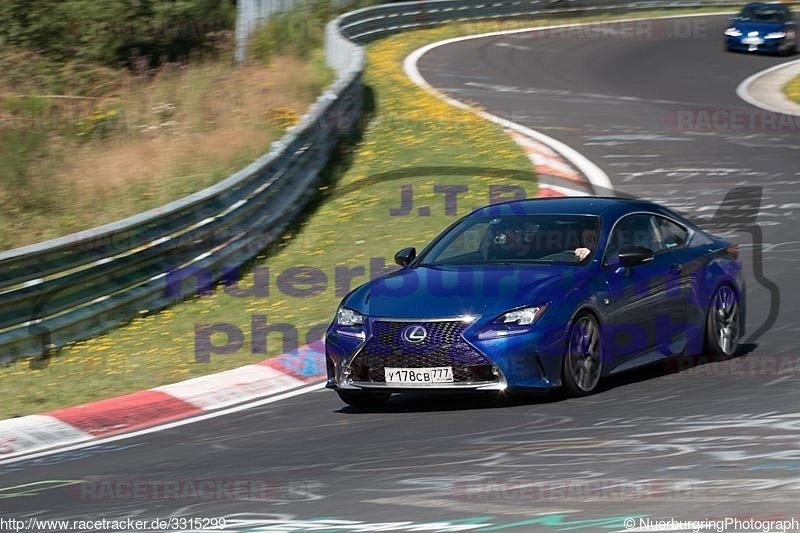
point(18, 148)
point(299, 30)
point(115, 32)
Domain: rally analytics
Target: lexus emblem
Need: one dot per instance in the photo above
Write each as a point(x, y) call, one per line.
point(414, 334)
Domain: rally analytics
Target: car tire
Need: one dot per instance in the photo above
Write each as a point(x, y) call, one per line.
point(582, 364)
point(723, 323)
point(363, 400)
point(791, 45)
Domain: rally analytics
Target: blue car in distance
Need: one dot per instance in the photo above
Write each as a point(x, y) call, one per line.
point(761, 27)
point(535, 295)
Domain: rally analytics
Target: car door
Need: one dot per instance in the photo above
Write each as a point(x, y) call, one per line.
point(647, 309)
point(687, 262)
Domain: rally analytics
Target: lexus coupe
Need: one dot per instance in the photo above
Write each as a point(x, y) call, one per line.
point(535, 295)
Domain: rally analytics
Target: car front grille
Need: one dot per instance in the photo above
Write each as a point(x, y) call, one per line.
point(443, 346)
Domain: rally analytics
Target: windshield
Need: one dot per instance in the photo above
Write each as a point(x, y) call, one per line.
point(550, 238)
point(764, 13)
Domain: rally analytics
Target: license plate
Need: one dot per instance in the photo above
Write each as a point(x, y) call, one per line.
point(419, 376)
point(752, 40)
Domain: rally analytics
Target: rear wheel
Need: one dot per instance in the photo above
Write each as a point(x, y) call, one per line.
point(722, 323)
point(582, 364)
point(363, 400)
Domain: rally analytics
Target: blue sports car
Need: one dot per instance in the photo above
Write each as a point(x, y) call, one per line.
point(762, 27)
point(538, 294)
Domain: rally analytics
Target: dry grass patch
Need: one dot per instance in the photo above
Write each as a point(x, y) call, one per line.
point(73, 163)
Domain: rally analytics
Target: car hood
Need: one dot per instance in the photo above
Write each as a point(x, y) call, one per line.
point(446, 292)
point(746, 26)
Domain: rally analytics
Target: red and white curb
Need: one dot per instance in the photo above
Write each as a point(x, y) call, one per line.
point(555, 175)
point(153, 407)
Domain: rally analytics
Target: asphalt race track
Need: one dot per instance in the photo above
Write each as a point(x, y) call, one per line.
point(693, 441)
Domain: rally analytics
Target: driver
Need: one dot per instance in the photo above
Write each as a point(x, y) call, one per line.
point(588, 241)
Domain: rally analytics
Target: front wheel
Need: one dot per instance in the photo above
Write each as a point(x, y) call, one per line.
point(582, 364)
point(722, 323)
point(363, 400)
point(790, 47)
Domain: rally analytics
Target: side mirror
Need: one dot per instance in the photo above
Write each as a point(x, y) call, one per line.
point(405, 256)
point(635, 255)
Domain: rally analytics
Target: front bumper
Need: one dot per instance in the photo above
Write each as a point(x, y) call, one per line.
point(756, 44)
point(357, 362)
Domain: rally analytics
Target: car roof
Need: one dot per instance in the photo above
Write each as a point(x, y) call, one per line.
point(758, 5)
point(577, 205)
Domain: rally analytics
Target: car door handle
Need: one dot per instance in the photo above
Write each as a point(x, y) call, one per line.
point(675, 268)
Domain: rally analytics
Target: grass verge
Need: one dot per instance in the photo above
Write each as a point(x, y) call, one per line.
point(72, 163)
point(792, 89)
point(350, 236)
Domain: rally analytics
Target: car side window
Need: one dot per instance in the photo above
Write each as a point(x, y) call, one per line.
point(672, 235)
point(468, 242)
point(637, 230)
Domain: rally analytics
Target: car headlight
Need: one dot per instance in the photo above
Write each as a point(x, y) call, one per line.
point(522, 317)
point(775, 35)
point(733, 32)
point(348, 317)
point(513, 322)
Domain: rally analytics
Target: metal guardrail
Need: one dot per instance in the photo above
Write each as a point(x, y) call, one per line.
point(77, 286)
point(80, 285)
point(365, 25)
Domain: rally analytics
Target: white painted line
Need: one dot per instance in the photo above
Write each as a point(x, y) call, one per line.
point(170, 425)
point(530, 144)
point(598, 179)
point(555, 164)
point(743, 90)
point(775, 381)
point(513, 46)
